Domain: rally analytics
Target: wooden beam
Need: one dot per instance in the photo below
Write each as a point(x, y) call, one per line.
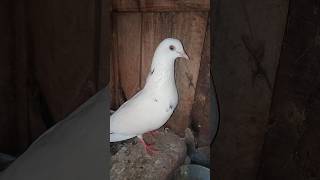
point(129, 52)
point(160, 5)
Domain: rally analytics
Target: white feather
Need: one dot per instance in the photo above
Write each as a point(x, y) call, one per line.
point(151, 107)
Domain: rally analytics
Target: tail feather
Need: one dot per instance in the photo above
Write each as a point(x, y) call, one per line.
point(114, 137)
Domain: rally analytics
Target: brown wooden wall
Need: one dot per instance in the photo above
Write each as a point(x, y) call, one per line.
point(291, 145)
point(138, 27)
point(247, 44)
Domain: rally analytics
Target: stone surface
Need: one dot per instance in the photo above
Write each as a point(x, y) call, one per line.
point(131, 161)
point(197, 155)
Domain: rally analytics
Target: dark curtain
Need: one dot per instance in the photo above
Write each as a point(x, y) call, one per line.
point(52, 60)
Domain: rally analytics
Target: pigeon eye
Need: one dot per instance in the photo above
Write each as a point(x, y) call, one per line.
point(171, 47)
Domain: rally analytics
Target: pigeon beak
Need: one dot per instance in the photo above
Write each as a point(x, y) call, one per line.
point(184, 55)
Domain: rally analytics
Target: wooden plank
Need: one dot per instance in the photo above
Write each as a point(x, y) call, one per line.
point(161, 5)
point(105, 43)
point(291, 147)
point(190, 28)
point(155, 28)
point(129, 52)
point(201, 124)
point(247, 45)
point(116, 96)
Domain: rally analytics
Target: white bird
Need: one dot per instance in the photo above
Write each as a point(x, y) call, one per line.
point(151, 107)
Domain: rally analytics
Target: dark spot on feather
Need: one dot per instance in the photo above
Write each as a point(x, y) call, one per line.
point(152, 71)
point(155, 100)
point(170, 107)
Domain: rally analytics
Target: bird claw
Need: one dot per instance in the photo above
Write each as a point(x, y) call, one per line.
point(150, 149)
point(154, 133)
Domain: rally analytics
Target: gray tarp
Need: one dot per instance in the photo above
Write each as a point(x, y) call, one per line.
point(74, 149)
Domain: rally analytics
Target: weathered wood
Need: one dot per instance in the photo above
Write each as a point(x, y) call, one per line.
point(104, 45)
point(129, 52)
point(201, 124)
point(291, 148)
point(155, 28)
point(248, 37)
point(190, 28)
point(116, 95)
point(161, 5)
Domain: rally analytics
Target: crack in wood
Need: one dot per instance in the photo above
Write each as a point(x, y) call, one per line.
point(256, 50)
point(190, 78)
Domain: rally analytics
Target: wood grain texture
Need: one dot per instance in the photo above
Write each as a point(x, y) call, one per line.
point(155, 28)
point(201, 124)
point(129, 52)
point(161, 5)
point(247, 46)
point(190, 28)
point(291, 147)
point(116, 96)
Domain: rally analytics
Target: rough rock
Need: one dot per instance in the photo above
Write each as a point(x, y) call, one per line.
point(131, 161)
point(197, 155)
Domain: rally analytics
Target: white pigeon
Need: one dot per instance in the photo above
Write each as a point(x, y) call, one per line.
point(151, 107)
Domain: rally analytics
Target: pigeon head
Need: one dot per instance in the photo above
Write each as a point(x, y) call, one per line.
point(172, 48)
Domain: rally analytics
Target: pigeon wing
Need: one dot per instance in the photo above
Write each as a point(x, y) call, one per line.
point(137, 116)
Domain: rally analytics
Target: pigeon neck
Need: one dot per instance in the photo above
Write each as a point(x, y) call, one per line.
point(161, 73)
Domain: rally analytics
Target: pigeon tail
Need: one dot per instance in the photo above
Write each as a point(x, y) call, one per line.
point(114, 137)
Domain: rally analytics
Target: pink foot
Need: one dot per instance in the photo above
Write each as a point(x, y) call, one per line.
point(148, 147)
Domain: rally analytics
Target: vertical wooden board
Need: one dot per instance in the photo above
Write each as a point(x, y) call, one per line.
point(291, 144)
point(190, 28)
point(201, 124)
point(105, 37)
point(247, 44)
point(129, 52)
point(116, 96)
point(155, 28)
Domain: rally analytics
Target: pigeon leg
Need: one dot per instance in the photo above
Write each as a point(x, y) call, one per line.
point(148, 147)
point(154, 133)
